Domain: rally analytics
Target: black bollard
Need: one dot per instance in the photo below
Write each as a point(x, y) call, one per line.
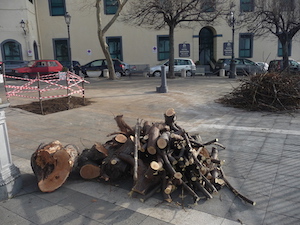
point(163, 88)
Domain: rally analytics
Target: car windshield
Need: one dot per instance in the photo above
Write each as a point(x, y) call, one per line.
point(30, 64)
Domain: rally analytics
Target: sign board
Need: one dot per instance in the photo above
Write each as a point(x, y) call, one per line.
point(184, 50)
point(154, 49)
point(227, 48)
point(89, 52)
point(29, 53)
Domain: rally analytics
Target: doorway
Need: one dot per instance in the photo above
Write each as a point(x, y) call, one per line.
point(206, 47)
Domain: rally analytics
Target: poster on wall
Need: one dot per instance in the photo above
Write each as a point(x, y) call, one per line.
point(184, 50)
point(227, 48)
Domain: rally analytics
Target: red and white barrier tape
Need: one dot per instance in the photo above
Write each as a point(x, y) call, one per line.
point(72, 79)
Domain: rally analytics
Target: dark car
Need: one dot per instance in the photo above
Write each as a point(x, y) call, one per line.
point(12, 64)
point(277, 66)
point(76, 65)
point(95, 68)
point(243, 66)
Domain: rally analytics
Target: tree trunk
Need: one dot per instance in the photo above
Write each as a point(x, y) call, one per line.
point(103, 43)
point(283, 38)
point(52, 164)
point(171, 46)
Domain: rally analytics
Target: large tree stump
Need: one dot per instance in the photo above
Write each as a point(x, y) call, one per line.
point(52, 164)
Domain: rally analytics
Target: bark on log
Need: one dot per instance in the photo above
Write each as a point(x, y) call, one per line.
point(52, 164)
point(113, 166)
point(235, 191)
point(153, 136)
point(123, 126)
point(163, 140)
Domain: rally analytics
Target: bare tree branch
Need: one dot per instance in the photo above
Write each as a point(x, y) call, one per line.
point(158, 14)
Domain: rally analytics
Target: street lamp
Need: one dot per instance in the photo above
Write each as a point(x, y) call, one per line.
point(231, 19)
point(68, 21)
point(231, 23)
point(22, 23)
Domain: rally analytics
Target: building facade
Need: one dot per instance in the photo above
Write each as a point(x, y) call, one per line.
point(36, 29)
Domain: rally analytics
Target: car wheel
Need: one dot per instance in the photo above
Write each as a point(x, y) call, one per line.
point(127, 72)
point(118, 74)
point(227, 73)
point(157, 74)
point(188, 73)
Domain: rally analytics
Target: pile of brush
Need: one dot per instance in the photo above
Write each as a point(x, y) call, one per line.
point(266, 92)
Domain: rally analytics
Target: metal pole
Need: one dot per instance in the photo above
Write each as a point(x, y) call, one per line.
point(69, 48)
point(163, 88)
point(39, 92)
point(232, 63)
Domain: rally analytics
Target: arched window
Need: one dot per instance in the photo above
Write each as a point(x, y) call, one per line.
point(35, 50)
point(11, 50)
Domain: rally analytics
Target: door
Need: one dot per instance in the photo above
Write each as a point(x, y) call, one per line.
point(206, 46)
point(41, 67)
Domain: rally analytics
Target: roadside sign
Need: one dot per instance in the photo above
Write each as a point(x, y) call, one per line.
point(227, 48)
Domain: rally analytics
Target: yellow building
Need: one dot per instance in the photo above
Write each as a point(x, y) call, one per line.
point(36, 29)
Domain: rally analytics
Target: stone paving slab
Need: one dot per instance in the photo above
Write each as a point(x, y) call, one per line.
point(261, 157)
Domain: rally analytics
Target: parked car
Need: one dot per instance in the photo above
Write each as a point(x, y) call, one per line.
point(243, 66)
point(76, 65)
point(11, 64)
point(263, 65)
point(179, 64)
point(38, 66)
point(277, 66)
point(95, 68)
point(126, 69)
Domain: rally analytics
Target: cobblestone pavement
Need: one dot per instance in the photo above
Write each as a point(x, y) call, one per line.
point(261, 156)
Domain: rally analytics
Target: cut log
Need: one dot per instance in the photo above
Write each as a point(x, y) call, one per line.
point(123, 126)
point(90, 171)
point(121, 138)
point(163, 140)
point(153, 136)
point(146, 128)
point(113, 166)
point(161, 156)
point(52, 164)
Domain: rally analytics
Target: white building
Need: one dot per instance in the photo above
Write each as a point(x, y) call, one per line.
point(45, 36)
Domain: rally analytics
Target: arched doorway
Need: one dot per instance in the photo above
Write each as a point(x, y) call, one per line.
point(35, 50)
point(206, 46)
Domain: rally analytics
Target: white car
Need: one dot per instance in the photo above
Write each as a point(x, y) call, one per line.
point(179, 65)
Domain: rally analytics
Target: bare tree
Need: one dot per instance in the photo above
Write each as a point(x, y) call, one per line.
point(101, 34)
point(278, 17)
point(158, 14)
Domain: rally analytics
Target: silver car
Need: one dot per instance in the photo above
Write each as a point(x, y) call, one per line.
point(243, 66)
point(179, 64)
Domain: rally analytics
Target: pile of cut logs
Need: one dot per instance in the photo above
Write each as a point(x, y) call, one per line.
point(159, 156)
